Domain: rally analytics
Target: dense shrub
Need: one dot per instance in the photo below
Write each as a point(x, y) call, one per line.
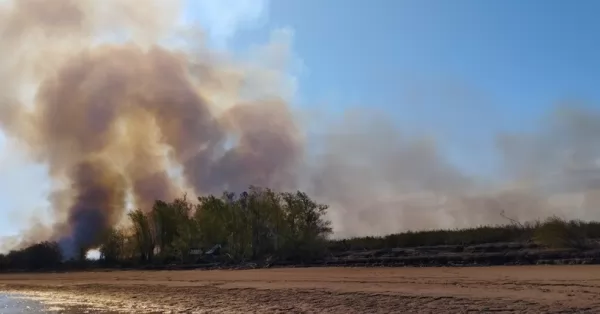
point(253, 225)
point(39, 256)
point(553, 232)
point(559, 233)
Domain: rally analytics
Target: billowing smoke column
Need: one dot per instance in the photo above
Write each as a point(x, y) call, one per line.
point(107, 117)
point(106, 95)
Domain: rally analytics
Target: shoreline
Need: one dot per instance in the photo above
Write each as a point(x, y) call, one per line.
point(520, 289)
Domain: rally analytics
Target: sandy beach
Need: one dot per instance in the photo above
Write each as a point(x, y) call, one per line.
point(530, 289)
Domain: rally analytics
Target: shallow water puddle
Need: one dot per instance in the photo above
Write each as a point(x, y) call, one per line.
point(14, 303)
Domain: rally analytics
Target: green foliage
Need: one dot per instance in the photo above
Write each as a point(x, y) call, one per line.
point(467, 236)
point(261, 223)
point(559, 233)
point(175, 229)
point(254, 225)
point(143, 235)
point(304, 228)
point(113, 247)
point(45, 255)
point(553, 232)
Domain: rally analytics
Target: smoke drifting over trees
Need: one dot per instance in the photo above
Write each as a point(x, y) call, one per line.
point(105, 117)
point(105, 94)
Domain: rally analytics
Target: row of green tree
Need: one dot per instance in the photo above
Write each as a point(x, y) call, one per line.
point(263, 225)
point(257, 225)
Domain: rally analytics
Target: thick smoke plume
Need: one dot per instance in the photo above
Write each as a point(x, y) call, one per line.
point(107, 118)
point(104, 93)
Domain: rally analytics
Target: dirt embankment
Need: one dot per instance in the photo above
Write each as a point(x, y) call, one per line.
point(533, 289)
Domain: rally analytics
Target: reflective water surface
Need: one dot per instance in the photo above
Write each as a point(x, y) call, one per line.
point(17, 304)
point(12, 304)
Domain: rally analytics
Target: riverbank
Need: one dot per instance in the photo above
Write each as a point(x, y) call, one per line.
point(520, 289)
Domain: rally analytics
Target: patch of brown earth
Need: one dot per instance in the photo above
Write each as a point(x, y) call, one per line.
point(530, 289)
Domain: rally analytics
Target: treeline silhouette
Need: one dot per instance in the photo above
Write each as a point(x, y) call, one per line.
point(266, 227)
point(554, 232)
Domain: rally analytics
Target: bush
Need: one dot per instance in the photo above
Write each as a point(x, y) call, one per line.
point(559, 233)
point(553, 233)
point(469, 236)
point(255, 225)
point(113, 247)
point(39, 256)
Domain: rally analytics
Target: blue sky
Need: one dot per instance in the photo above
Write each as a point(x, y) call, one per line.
point(462, 70)
point(445, 68)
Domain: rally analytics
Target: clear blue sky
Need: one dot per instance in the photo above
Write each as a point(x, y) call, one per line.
point(463, 69)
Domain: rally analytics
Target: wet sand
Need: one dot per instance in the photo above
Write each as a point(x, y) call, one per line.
point(514, 289)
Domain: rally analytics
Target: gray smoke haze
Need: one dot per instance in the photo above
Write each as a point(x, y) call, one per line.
point(378, 181)
point(94, 90)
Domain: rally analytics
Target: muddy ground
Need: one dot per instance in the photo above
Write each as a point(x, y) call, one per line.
point(508, 289)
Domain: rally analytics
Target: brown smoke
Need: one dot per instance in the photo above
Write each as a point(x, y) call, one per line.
point(107, 118)
point(91, 89)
